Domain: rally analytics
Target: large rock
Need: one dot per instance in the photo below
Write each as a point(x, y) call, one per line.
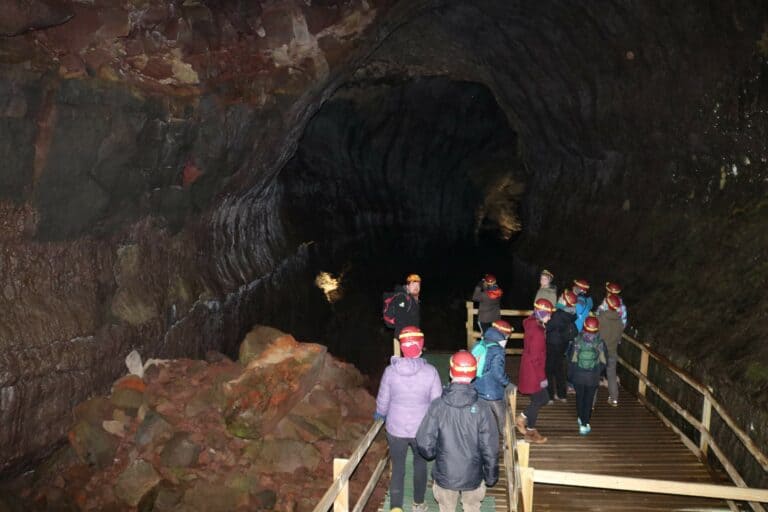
point(286, 456)
point(256, 341)
point(138, 480)
point(272, 384)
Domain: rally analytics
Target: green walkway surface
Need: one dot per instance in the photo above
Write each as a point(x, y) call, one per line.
point(440, 361)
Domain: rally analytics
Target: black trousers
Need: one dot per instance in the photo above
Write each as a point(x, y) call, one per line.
point(398, 449)
point(555, 369)
point(538, 399)
point(585, 397)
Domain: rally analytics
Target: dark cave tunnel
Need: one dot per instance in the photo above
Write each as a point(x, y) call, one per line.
point(166, 186)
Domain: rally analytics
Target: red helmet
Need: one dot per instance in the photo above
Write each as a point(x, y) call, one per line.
point(463, 366)
point(411, 341)
point(583, 284)
point(613, 301)
point(489, 279)
point(569, 298)
point(543, 305)
point(613, 287)
point(591, 324)
point(503, 327)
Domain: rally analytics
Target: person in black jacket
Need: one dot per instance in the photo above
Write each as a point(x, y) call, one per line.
point(460, 433)
point(561, 330)
point(403, 307)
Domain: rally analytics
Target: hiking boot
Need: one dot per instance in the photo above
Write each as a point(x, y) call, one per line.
point(571, 390)
point(585, 429)
point(520, 423)
point(396, 509)
point(550, 402)
point(420, 507)
point(532, 436)
point(563, 399)
point(613, 402)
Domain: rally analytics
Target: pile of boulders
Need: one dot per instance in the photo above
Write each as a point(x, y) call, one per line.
point(216, 435)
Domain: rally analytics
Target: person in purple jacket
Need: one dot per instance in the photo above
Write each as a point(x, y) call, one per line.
point(408, 386)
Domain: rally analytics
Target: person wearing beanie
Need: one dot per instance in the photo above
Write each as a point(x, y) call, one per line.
point(611, 329)
point(561, 330)
point(587, 362)
point(408, 386)
point(488, 297)
point(583, 303)
point(491, 384)
point(533, 378)
point(460, 434)
point(546, 290)
point(615, 288)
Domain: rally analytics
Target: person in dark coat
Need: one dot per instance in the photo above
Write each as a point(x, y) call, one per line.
point(404, 306)
point(460, 434)
point(488, 297)
point(533, 378)
point(493, 381)
point(611, 329)
point(561, 330)
point(587, 363)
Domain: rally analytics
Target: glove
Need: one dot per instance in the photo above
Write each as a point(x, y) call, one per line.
point(378, 416)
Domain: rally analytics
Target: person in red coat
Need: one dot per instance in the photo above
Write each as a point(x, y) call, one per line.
point(533, 377)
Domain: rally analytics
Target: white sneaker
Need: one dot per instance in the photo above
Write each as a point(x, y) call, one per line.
point(420, 507)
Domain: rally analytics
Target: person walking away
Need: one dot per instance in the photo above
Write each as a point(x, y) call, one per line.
point(586, 364)
point(560, 332)
point(584, 303)
point(401, 307)
point(611, 329)
point(408, 386)
point(533, 378)
point(488, 297)
point(615, 289)
point(492, 378)
point(459, 432)
point(546, 290)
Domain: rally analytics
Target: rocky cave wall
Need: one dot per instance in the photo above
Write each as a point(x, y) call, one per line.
point(140, 145)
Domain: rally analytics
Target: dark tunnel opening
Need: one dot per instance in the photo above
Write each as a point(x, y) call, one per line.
point(397, 176)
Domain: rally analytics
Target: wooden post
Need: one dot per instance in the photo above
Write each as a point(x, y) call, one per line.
point(341, 504)
point(523, 453)
point(643, 371)
point(526, 475)
point(470, 324)
point(706, 418)
point(396, 347)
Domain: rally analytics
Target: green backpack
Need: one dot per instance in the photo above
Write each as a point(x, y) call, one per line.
point(587, 355)
point(479, 351)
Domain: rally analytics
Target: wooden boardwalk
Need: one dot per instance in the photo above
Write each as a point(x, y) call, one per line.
point(627, 440)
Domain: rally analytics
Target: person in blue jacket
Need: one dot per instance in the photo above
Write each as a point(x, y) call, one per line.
point(583, 303)
point(491, 384)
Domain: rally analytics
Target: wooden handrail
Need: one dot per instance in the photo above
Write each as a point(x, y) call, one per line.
point(624, 483)
point(342, 478)
point(473, 335)
point(510, 450)
point(748, 443)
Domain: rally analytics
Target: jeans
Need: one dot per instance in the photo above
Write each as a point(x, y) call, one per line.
point(610, 371)
point(538, 399)
point(499, 411)
point(398, 449)
point(585, 397)
point(555, 370)
point(470, 500)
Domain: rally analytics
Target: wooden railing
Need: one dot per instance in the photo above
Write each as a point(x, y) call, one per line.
point(338, 493)
point(473, 335)
point(521, 476)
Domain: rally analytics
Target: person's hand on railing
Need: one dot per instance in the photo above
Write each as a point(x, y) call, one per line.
point(378, 416)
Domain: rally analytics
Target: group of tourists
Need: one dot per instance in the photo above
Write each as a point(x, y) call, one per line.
point(458, 425)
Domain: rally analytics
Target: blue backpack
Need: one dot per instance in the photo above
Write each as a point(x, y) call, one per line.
point(479, 351)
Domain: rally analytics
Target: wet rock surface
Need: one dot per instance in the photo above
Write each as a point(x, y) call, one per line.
point(169, 458)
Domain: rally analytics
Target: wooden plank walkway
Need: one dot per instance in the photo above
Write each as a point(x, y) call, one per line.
point(627, 440)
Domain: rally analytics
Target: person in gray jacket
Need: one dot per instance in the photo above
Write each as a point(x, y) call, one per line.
point(488, 297)
point(460, 433)
point(546, 290)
